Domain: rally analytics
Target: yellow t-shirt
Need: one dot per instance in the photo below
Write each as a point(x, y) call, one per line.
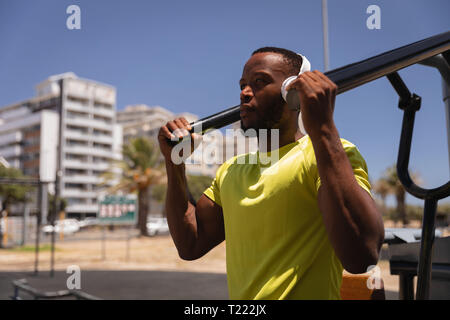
point(276, 243)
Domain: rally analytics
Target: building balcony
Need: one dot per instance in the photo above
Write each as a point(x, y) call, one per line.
point(89, 123)
point(81, 178)
point(83, 208)
point(77, 106)
point(12, 151)
point(109, 113)
point(79, 135)
point(104, 94)
point(102, 138)
point(78, 164)
point(100, 152)
point(74, 134)
point(11, 138)
point(78, 193)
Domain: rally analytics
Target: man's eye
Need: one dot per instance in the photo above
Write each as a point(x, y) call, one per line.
point(259, 81)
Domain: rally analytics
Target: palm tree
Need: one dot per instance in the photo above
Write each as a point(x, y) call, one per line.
point(141, 168)
point(383, 189)
point(389, 183)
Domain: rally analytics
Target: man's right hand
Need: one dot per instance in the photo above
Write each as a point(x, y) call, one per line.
point(195, 229)
point(177, 128)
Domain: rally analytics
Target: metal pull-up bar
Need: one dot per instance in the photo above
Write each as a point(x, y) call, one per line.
point(352, 75)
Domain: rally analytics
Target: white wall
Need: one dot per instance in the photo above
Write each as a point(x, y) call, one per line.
point(117, 141)
point(49, 145)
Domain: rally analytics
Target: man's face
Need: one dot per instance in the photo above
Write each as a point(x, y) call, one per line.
point(262, 105)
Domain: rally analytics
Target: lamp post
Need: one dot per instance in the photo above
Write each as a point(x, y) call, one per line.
point(326, 58)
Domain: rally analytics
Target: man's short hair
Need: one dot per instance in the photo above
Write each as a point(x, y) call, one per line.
point(293, 60)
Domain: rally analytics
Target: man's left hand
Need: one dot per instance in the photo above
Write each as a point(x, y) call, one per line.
point(317, 94)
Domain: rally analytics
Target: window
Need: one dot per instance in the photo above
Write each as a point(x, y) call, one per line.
point(72, 172)
point(98, 104)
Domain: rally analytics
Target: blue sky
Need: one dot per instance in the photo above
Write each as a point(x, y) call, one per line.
point(188, 56)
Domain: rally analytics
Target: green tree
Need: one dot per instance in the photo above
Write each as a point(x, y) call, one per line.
point(12, 193)
point(141, 168)
point(383, 189)
point(51, 202)
point(389, 183)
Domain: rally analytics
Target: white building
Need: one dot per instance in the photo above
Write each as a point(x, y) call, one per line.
point(90, 138)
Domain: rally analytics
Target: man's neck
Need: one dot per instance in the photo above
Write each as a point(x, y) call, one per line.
point(284, 137)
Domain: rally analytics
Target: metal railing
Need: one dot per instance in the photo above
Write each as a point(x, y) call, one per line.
point(23, 286)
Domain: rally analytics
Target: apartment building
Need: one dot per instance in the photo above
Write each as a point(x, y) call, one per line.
point(30, 132)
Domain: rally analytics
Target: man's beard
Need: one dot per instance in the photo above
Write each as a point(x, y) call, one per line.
point(270, 120)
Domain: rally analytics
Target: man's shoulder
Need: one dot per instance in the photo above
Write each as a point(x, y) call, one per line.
point(350, 149)
point(347, 144)
point(238, 159)
point(308, 143)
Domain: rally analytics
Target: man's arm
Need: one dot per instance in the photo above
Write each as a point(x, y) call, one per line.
point(195, 229)
point(353, 223)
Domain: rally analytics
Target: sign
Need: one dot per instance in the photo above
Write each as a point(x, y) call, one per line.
point(117, 210)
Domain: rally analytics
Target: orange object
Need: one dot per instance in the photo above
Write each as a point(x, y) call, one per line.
point(5, 231)
point(355, 287)
point(61, 218)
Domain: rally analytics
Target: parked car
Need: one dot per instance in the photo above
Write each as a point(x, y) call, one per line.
point(90, 221)
point(66, 226)
point(157, 225)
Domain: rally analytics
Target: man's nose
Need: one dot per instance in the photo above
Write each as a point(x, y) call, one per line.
point(246, 94)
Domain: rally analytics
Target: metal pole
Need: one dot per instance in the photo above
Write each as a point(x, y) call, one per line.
point(426, 250)
point(26, 214)
point(326, 58)
point(446, 98)
point(442, 64)
point(39, 213)
point(128, 244)
point(406, 286)
point(103, 243)
point(52, 244)
point(44, 203)
point(56, 203)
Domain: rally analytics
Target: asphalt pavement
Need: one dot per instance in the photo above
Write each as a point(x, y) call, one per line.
point(127, 285)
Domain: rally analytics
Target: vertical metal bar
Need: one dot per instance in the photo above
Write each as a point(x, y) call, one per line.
point(426, 250)
point(16, 293)
point(406, 286)
point(446, 98)
point(26, 214)
point(41, 190)
point(442, 63)
point(103, 243)
point(326, 57)
point(405, 143)
point(56, 203)
point(44, 204)
point(128, 243)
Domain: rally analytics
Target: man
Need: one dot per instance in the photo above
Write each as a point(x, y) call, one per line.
point(290, 234)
